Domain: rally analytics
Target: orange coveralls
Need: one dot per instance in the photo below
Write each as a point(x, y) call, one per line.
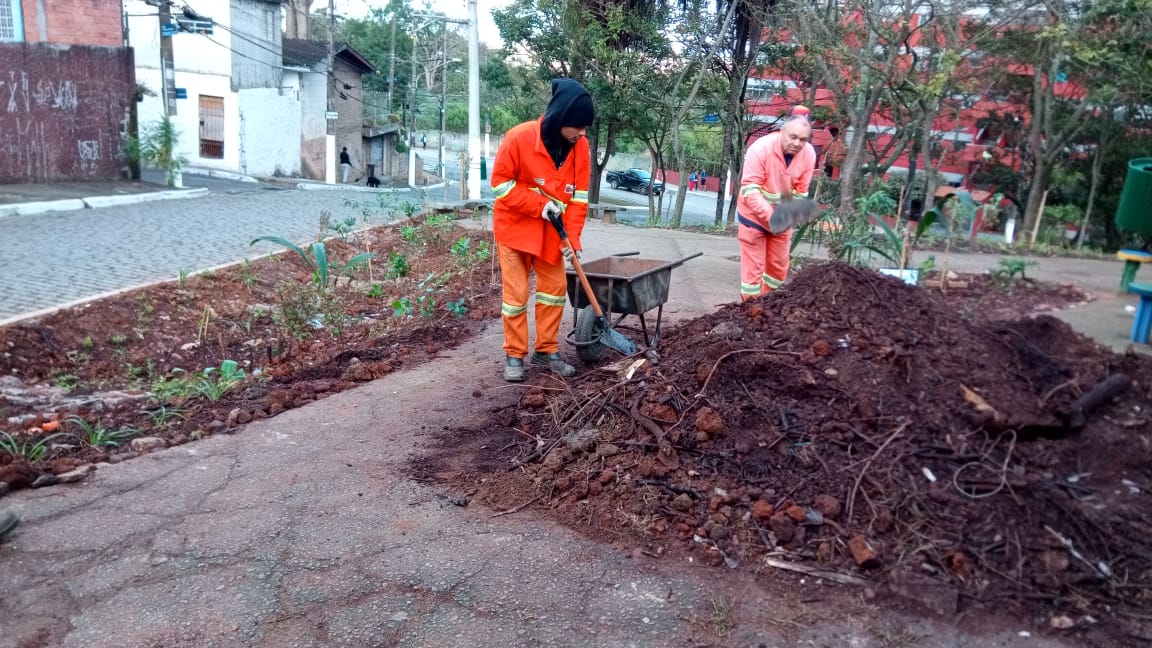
point(524, 178)
point(765, 257)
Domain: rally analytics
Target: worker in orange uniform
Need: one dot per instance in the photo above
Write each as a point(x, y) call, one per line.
point(777, 167)
point(541, 169)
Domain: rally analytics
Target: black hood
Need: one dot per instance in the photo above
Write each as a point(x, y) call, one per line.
point(565, 93)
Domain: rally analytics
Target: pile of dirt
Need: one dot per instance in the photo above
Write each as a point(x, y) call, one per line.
point(857, 426)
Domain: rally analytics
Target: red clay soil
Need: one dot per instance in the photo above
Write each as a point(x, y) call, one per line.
point(853, 424)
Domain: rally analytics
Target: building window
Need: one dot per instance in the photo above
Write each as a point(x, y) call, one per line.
point(11, 21)
point(212, 127)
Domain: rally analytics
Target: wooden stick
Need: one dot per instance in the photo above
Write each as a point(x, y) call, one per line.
point(517, 508)
point(843, 579)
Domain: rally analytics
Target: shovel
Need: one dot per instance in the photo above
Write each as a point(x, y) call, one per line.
point(602, 327)
point(791, 213)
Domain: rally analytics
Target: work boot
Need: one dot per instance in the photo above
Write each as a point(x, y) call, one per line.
point(514, 369)
point(554, 362)
point(8, 521)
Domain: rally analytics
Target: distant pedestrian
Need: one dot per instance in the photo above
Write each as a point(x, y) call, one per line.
point(345, 165)
point(692, 181)
point(703, 180)
point(424, 141)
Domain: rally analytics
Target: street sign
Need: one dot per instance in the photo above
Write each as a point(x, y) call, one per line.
point(711, 119)
point(168, 30)
point(196, 25)
point(181, 93)
point(331, 114)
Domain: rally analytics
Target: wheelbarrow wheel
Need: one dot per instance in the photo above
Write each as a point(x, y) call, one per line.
point(589, 329)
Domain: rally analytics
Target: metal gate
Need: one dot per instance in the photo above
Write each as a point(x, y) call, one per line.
point(211, 127)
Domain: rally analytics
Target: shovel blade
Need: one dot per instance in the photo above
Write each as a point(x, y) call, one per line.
point(792, 213)
point(615, 341)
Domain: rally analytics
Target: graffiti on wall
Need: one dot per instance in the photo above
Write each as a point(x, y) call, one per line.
point(63, 111)
point(22, 94)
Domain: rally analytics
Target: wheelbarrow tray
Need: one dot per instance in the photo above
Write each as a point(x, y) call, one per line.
point(624, 285)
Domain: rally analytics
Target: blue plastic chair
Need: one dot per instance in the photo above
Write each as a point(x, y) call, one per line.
point(1143, 324)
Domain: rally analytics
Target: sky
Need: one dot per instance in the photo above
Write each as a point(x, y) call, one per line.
point(489, 34)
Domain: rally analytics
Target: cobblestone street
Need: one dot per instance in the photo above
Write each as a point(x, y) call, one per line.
point(51, 259)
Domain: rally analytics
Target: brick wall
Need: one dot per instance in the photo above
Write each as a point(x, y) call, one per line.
point(80, 22)
point(63, 111)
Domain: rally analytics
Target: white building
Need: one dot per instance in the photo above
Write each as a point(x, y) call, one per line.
point(235, 106)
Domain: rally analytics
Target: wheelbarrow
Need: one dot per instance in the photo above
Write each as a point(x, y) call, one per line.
point(622, 286)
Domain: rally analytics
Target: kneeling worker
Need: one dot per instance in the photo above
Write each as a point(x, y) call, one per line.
point(541, 169)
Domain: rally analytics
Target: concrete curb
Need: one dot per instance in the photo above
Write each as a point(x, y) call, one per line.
point(216, 173)
point(95, 202)
point(41, 207)
point(316, 186)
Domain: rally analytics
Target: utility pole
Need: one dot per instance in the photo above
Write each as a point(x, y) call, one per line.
point(392, 62)
point(167, 67)
point(443, 90)
point(412, 112)
point(329, 78)
point(473, 102)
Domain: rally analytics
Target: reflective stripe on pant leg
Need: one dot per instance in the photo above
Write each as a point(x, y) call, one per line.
point(551, 295)
point(777, 259)
point(752, 251)
point(514, 266)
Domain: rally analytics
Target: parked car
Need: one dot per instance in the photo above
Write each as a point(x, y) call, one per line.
point(637, 180)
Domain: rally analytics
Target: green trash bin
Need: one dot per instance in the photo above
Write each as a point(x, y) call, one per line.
point(483, 168)
point(1135, 210)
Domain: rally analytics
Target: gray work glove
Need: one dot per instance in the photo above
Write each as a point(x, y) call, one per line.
point(792, 213)
point(568, 252)
point(550, 209)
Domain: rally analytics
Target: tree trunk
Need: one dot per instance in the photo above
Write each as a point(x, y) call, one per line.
point(1097, 163)
point(596, 163)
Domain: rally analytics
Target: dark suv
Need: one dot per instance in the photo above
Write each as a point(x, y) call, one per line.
point(637, 180)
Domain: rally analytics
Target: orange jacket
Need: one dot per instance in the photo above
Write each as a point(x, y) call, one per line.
point(524, 178)
point(766, 176)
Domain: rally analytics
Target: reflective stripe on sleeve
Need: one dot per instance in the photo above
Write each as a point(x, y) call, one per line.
point(503, 189)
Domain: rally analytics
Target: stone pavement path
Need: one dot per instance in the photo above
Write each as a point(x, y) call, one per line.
point(52, 259)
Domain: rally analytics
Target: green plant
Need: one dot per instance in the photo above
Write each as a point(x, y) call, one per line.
point(214, 382)
point(409, 232)
point(483, 251)
point(176, 387)
point(182, 278)
point(1010, 268)
point(162, 414)
point(457, 308)
point(118, 340)
point(89, 342)
point(97, 436)
point(31, 448)
point(66, 381)
point(342, 228)
point(397, 266)
point(246, 276)
point(402, 307)
point(461, 247)
point(158, 148)
point(890, 244)
point(928, 264)
point(317, 261)
point(376, 291)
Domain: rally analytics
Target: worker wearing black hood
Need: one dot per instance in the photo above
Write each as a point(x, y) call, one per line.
point(541, 168)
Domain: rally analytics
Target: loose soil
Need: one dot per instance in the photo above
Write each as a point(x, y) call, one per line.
point(851, 426)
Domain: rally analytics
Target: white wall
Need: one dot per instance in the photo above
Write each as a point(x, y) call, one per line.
point(313, 126)
point(269, 132)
